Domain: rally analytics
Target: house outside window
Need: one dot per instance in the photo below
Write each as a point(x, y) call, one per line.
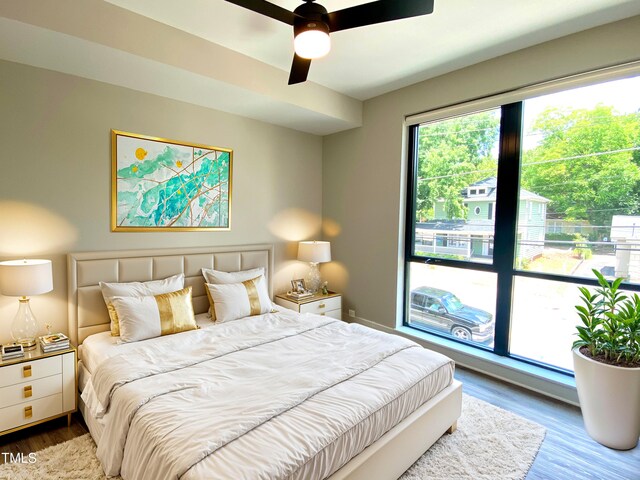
point(477, 228)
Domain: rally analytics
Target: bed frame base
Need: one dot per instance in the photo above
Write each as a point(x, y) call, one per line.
point(393, 453)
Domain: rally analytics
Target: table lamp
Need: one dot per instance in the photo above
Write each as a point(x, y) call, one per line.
point(314, 253)
point(22, 278)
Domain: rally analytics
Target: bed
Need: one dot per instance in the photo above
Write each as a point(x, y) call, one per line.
point(251, 398)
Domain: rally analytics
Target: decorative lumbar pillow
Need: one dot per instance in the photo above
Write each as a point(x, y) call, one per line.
point(137, 289)
point(154, 315)
point(238, 300)
point(217, 277)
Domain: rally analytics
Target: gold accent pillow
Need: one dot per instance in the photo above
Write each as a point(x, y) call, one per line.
point(218, 277)
point(136, 289)
point(238, 300)
point(154, 315)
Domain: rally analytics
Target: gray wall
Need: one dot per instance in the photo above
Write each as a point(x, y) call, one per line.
point(55, 176)
point(364, 168)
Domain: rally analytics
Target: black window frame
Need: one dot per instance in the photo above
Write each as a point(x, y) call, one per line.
point(505, 233)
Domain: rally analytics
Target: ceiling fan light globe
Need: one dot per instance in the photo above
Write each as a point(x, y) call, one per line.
point(312, 44)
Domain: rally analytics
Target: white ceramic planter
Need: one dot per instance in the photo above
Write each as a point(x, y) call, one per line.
point(610, 401)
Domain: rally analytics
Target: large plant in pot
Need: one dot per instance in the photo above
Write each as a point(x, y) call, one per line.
point(606, 360)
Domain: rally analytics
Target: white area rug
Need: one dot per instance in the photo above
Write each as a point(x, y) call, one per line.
point(490, 444)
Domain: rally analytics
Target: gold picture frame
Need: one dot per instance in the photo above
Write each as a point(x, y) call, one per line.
point(158, 184)
point(298, 285)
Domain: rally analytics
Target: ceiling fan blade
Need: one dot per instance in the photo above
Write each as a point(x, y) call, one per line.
point(377, 12)
point(299, 69)
point(268, 9)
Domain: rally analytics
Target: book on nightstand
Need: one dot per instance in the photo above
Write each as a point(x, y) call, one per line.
point(12, 350)
point(299, 296)
point(53, 342)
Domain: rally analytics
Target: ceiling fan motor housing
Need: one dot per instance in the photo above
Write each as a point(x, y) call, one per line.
point(310, 16)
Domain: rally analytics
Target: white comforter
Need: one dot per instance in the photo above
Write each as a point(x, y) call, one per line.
point(175, 406)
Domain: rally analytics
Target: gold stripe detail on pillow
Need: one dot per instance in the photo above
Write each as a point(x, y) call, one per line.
point(176, 312)
point(254, 299)
point(115, 322)
point(212, 310)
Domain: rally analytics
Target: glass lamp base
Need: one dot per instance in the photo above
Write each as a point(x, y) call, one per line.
point(313, 280)
point(27, 343)
point(25, 327)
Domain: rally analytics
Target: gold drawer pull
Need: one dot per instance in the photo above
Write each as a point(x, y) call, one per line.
point(28, 412)
point(322, 305)
point(323, 313)
point(28, 391)
point(26, 371)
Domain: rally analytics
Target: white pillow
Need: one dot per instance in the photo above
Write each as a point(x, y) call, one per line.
point(238, 300)
point(218, 277)
point(154, 315)
point(137, 289)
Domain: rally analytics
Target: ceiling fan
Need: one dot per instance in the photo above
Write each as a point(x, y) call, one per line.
point(312, 24)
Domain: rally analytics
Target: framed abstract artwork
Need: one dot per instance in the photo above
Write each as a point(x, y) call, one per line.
point(161, 184)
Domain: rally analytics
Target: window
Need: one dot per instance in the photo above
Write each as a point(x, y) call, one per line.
point(451, 156)
point(567, 200)
point(417, 300)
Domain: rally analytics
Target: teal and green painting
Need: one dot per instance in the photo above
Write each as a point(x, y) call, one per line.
point(163, 184)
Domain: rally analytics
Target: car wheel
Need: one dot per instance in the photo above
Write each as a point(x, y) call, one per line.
point(461, 333)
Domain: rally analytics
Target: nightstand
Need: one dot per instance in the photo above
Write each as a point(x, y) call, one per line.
point(329, 305)
point(36, 388)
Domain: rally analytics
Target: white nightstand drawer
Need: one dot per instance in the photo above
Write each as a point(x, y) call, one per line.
point(322, 306)
point(334, 314)
point(26, 371)
point(30, 391)
point(29, 412)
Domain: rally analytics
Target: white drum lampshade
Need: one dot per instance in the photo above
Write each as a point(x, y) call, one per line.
point(314, 252)
point(23, 278)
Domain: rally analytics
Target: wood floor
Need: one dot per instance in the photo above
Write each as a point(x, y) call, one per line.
point(566, 453)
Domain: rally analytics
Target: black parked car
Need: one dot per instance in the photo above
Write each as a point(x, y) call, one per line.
point(442, 310)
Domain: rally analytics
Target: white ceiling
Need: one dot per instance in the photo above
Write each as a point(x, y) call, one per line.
point(366, 62)
point(218, 55)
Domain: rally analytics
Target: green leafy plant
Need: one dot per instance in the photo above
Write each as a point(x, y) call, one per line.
point(610, 328)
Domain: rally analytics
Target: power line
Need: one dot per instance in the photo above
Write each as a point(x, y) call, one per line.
point(562, 159)
point(594, 121)
point(545, 186)
point(588, 155)
point(459, 132)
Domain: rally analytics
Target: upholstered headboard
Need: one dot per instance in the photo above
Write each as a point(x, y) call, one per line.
point(87, 310)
